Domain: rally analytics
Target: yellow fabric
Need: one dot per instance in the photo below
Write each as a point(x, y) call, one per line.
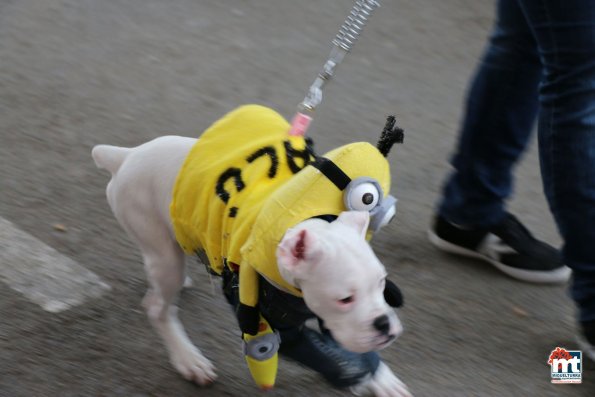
point(308, 194)
point(200, 217)
point(266, 207)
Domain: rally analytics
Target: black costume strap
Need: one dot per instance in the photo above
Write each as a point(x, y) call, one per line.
point(332, 172)
point(327, 217)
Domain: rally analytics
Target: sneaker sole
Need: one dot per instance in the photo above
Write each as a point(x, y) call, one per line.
point(557, 276)
point(586, 347)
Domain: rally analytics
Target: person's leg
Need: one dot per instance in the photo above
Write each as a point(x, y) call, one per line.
point(499, 115)
point(565, 33)
point(500, 112)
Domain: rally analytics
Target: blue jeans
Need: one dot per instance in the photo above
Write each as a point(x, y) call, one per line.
point(540, 61)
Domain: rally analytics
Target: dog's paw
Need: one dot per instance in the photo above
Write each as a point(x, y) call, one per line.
point(383, 384)
point(194, 366)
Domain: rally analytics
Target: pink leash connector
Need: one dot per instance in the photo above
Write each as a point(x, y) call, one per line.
point(299, 124)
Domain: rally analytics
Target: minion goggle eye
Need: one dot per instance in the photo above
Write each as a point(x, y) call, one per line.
point(262, 347)
point(360, 194)
point(365, 194)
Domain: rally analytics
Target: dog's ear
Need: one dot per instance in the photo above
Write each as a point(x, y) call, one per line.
point(358, 220)
point(296, 251)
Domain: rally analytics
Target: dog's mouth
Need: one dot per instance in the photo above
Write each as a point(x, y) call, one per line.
point(375, 343)
point(382, 341)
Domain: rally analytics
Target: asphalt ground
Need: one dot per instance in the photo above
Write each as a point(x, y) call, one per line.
point(75, 73)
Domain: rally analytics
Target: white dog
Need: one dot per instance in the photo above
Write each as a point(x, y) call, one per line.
point(331, 263)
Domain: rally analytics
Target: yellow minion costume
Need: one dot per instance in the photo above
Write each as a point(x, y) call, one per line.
point(246, 182)
point(239, 191)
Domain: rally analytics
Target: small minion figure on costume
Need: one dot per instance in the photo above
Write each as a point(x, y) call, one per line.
point(260, 351)
point(246, 182)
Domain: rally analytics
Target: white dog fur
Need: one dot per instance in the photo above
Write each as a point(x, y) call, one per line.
point(337, 262)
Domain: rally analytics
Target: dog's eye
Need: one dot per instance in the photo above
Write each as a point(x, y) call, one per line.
point(346, 301)
point(363, 197)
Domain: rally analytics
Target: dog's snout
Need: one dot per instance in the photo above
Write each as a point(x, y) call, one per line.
point(382, 323)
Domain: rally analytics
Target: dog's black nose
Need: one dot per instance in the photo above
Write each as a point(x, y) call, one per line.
point(382, 324)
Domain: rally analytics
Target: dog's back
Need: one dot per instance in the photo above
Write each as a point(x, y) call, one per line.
point(142, 176)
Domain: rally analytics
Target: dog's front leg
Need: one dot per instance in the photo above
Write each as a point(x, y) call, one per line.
point(384, 383)
point(165, 271)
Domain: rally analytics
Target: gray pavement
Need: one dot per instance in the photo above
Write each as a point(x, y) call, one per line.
point(75, 73)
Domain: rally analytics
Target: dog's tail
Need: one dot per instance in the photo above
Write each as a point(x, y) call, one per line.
point(109, 157)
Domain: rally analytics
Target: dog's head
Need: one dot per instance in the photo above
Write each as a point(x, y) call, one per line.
point(341, 279)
